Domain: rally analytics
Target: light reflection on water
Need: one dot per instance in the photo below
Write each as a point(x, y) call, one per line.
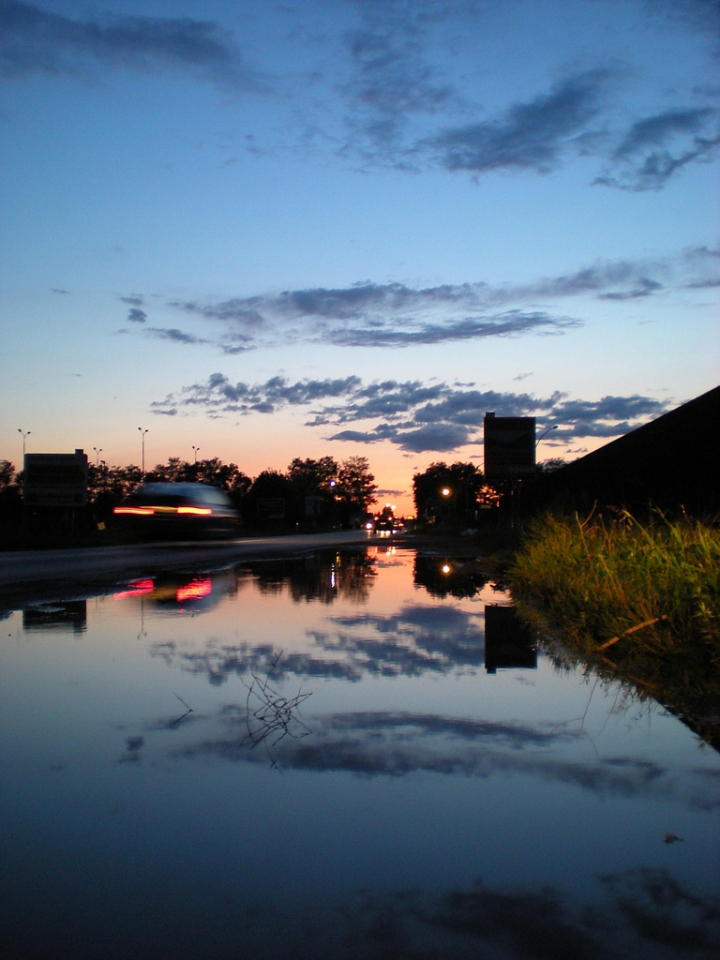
point(354, 754)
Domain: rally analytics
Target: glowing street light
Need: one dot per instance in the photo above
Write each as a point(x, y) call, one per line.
point(446, 491)
point(142, 435)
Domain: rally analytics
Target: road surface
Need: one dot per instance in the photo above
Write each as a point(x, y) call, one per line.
point(20, 570)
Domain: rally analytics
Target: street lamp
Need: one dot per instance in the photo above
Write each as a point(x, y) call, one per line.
point(98, 451)
point(25, 433)
point(553, 427)
point(195, 451)
point(446, 491)
point(142, 435)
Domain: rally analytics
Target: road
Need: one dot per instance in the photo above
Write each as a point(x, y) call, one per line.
point(22, 569)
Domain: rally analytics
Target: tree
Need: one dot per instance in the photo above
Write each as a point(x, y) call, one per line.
point(270, 485)
point(356, 486)
point(313, 477)
point(7, 474)
point(444, 491)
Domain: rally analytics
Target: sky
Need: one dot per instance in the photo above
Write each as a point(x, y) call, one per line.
point(351, 227)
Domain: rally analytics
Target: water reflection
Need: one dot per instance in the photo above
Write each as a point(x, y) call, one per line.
point(416, 640)
point(147, 818)
point(398, 744)
point(645, 911)
point(64, 615)
point(449, 577)
point(322, 577)
point(509, 641)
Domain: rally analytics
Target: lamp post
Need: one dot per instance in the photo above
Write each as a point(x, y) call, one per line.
point(25, 433)
point(142, 435)
point(553, 427)
point(195, 450)
point(98, 451)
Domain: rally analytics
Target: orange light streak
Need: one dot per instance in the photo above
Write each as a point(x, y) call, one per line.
point(137, 588)
point(194, 590)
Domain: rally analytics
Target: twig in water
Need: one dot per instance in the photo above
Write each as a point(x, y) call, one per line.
point(182, 716)
point(275, 714)
point(626, 633)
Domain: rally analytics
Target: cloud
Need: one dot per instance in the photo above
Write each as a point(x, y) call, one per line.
point(419, 640)
point(374, 315)
point(410, 64)
point(414, 416)
point(514, 322)
point(136, 300)
point(655, 131)
point(392, 82)
point(658, 146)
point(399, 743)
point(168, 333)
point(394, 314)
point(136, 315)
point(533, 135)
point(33, 40)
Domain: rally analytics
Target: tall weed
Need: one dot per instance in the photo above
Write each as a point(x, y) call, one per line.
point(638, 602)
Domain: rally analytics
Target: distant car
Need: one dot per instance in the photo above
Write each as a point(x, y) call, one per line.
point(186, 511)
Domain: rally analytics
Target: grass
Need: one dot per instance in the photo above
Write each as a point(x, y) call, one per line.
point(640, 602)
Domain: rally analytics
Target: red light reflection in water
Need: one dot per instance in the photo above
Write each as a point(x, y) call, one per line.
point(194, 590)
point(137, 588)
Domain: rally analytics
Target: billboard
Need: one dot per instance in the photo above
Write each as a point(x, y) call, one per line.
point(509, 447)
point(55, 479)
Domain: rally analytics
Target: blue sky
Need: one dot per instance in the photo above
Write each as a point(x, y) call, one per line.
point(294, 229)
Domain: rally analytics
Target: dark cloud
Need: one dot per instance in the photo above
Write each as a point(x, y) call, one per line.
point(392, 82)
point(645, 288)
point(657, 130)
point(395, 744)
point(169, 333)
point(136, 300)
point(221, 395)
point(657, 147)
point(59, 290)
point(441, 438)
point(418, 640)
point(394, 314)
point(136, 315)
point(533, 135)
point(414, 416)
point(515, 322)
point(33, 40)
point(397, 90)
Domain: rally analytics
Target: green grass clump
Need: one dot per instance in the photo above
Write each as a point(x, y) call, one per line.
point(584, 583)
